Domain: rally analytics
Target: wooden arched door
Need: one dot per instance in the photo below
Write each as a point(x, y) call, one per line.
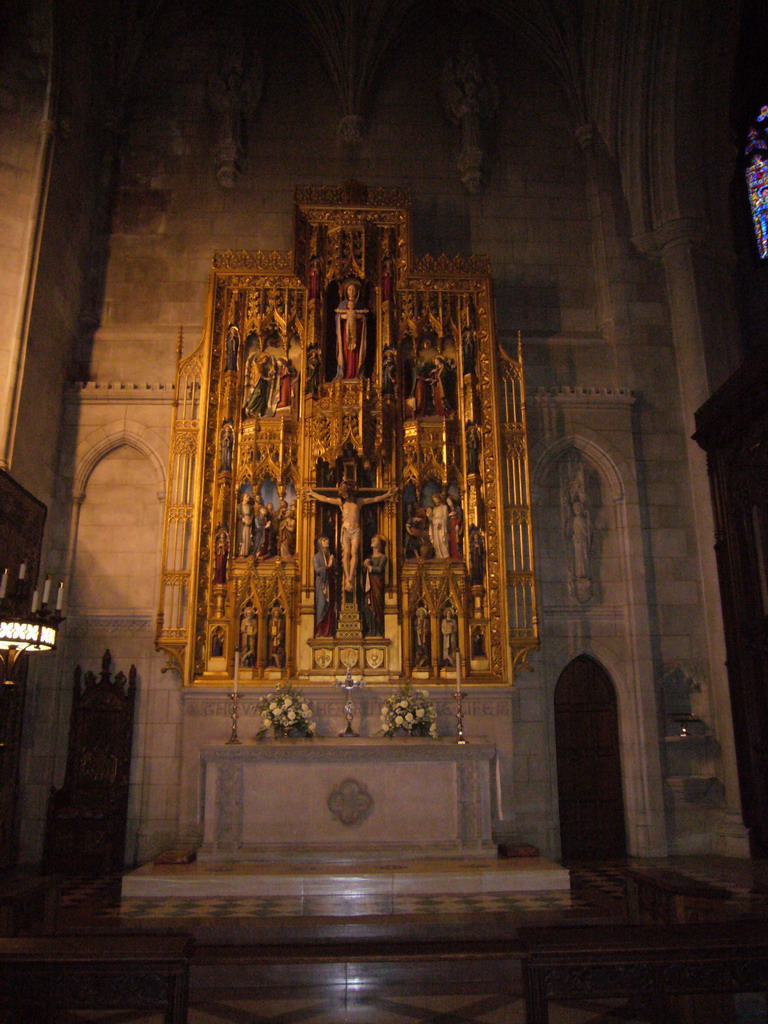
point(588, 764)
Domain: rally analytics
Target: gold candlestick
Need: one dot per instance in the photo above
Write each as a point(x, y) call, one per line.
point(233, 732)
point(458, 697)
point(233, 697)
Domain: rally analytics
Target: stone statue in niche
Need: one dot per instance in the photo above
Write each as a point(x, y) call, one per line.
point(269, 542)
point(375, 567)
point(226, 446)
point(449, 632)
point(476, 556)
point(442, 381)
point(314, 362)
point(351, 332)
point(455, 528)
point(578, 531)
point(259, 520)
point(314, 277)
point(417, 402)
point(221, 552)
point(388, 371)
point(245, 525)
point(233, 94)
point(472, 434)
point(417, 542)
point(468, 349)
point(438, 526)
point(478, 642)
point(350, 506)
point(259, 379)
point(387, 279)
point(287, 529)
point(325, 589)
point(249, 626)
point(231, 345)
point(471, 95)
point(285, 380)
point(217, 642)
point(422, 633)
point(277, 637)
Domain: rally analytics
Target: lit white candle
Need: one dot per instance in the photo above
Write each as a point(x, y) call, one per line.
point(458, 670)
point(60, 596)
point(23, 571)
point(237, 670)
point(47, 589)
point(35, 600)
point(3, 583)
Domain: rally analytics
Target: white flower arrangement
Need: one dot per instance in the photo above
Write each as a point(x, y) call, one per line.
point(287, 712)
point(410, 712)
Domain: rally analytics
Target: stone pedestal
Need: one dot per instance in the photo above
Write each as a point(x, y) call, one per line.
point(356, 798)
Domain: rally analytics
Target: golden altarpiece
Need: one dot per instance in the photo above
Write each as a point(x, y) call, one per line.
point(348, 484)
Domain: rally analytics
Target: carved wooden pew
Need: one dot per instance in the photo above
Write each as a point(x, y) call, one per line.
point(40, 977)
point(658, 964)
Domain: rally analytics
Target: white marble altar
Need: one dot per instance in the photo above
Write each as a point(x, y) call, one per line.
point(357, 798)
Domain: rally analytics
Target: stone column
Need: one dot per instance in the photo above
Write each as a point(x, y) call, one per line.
point(703, 330)
point(609, 253)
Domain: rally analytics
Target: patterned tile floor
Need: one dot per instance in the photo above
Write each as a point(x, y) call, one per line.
point(390, 994)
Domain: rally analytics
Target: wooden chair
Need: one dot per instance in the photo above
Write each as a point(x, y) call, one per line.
point(86, 825)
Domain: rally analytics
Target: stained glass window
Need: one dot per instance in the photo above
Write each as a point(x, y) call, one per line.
point(756, 154)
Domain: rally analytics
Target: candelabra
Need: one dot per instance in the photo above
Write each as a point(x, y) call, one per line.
point(348, 684)
point(23, 631)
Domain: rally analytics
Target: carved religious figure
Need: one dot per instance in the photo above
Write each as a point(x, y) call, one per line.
point(455, 528)
point(269, 543)
point(417, 402)
point(473, 448)
point(231, 345)
point(259, 524)
point(245, 525)
point(277, 637)
point(476, 556)
point(351, 331)
point(351, 530)
point(421, 634)
point(249, 625)
point(325, 596)
point(438, 526)
point(375, 567)
point(449, 633)
point(217, 642)
point(285, 379)
point(260, 379)
point(388, 371)
point(287, 529)
point(417, 542)
point(221, 551)
point(387, 279)
point(441, 382)
point(314, 362)
point(226, 446)
point(468, 349)
point(578, 531)
point(314, 277)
